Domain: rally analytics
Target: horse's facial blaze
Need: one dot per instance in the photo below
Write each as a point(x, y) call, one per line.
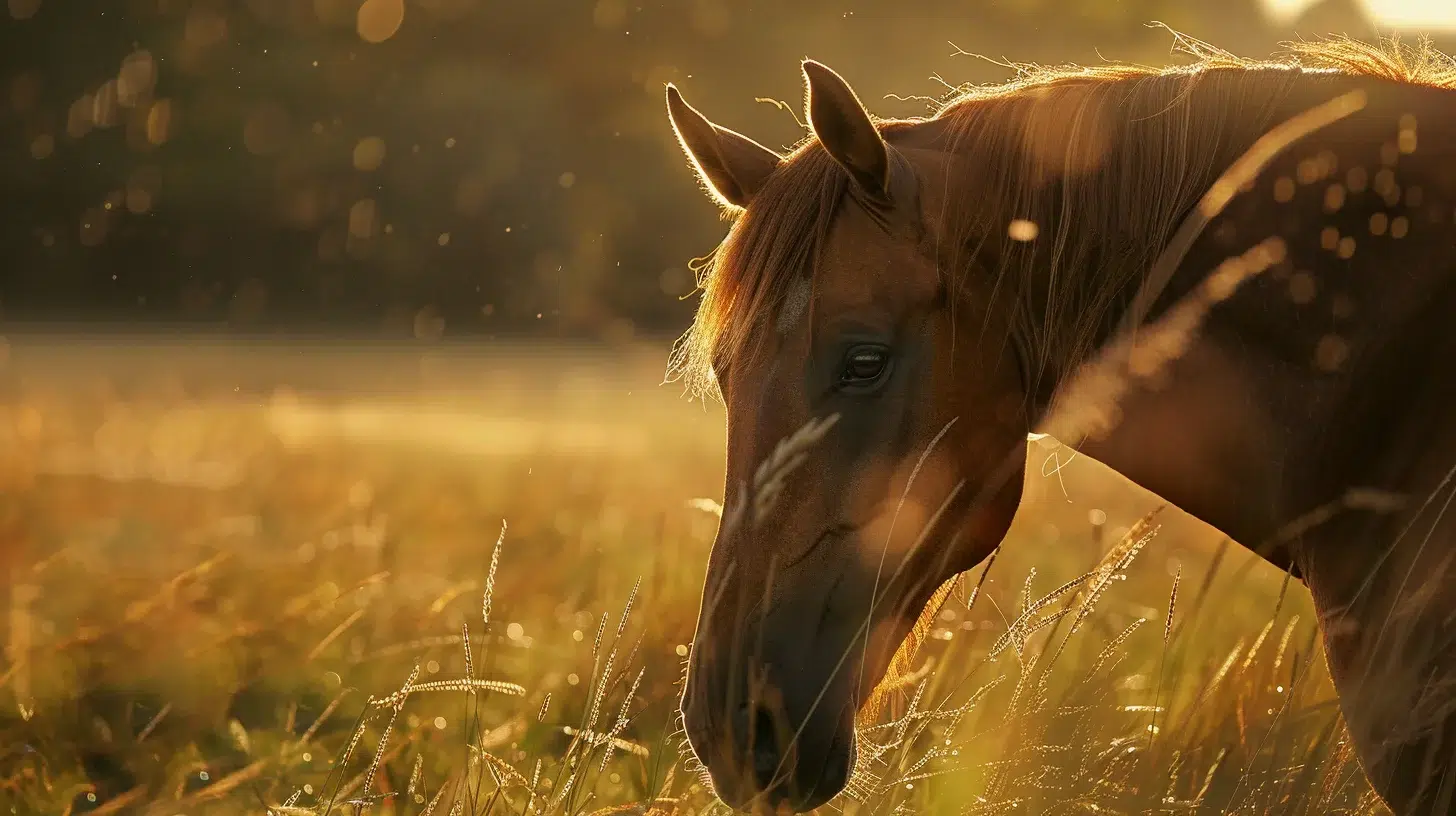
point(810, 590)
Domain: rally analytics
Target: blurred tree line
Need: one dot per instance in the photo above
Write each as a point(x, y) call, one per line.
point(457, 167)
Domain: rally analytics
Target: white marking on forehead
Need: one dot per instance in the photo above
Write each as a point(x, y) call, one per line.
point(796, 303)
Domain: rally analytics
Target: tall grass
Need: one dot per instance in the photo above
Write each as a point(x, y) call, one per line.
point(347, 625)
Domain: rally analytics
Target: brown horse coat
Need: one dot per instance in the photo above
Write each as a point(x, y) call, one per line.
point(899, 303)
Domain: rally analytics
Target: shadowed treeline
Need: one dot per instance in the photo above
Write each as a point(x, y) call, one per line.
point(451, 166)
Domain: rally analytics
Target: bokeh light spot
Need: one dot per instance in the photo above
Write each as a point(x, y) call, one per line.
point(378, 20)
point(159, 121)
point(78, 117)
point(1022, 230)
point(369, 153)
point(24, 9)
point(42, 146)
point(361, 218)
point(137, 77)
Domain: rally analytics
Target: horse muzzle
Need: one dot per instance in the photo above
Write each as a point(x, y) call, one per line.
point(774, 730)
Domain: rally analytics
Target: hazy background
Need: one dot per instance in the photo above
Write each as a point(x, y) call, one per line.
point(285, 287)
point(462, 167)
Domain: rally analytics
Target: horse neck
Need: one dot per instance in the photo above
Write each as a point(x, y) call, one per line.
point(1171, 138)
point(1201, 436)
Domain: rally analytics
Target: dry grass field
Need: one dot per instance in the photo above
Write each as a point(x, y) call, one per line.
point(328, 577)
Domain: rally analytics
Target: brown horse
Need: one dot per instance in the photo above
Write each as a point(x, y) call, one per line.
point(899, 303)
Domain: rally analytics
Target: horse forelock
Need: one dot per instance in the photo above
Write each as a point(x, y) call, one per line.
point(763, 266)
point(1103, 160)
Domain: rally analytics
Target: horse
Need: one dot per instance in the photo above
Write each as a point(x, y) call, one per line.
point(898, 305)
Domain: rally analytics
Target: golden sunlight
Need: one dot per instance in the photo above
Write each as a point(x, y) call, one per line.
point(1407, 15)
point(1413, 14)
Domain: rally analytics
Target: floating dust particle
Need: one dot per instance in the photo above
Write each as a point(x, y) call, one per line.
point(93, 226)
point(1378, 223)
point(1329, 238)
point(1399, 226)
point(1022, 230)
point(1346, 248)
point(1334, 197)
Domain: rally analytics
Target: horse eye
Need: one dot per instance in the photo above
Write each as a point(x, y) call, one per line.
point(864, 365)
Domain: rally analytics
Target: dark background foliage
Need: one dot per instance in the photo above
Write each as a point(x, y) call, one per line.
point(455, 167)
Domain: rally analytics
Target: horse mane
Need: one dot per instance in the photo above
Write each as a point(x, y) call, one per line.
point(1049, 163)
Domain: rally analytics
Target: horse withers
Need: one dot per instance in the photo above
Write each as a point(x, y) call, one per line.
point(899, 303)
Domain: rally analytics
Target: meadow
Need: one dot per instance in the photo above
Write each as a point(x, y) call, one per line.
point(258, 577)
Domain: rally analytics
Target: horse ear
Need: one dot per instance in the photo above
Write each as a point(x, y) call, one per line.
point(733, 166)
point(844, 128)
